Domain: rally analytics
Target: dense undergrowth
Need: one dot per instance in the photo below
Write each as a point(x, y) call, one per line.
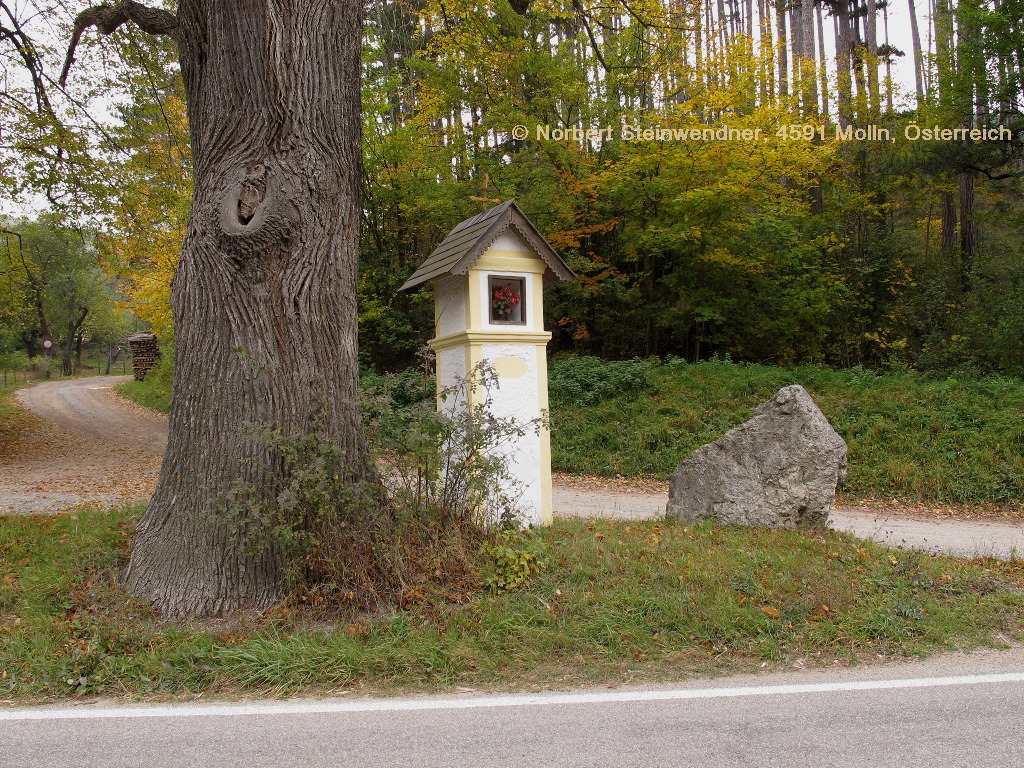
point(607, 601)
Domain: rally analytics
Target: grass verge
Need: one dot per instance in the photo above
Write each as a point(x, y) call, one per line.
point(612, 602)
point(911, 437)
point(155, 390)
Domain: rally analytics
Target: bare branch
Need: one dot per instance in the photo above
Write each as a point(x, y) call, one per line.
point(25, 47)
point(107, 18)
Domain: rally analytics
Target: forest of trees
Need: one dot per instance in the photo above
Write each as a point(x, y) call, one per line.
point(798, 247)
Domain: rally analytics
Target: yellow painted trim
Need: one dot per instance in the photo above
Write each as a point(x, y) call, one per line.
point(515, 261)
point(510, 367)
point(538, 338)
point(537, 309)
point(474, 309)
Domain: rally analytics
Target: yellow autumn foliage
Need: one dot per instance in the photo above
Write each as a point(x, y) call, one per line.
point(149, 212)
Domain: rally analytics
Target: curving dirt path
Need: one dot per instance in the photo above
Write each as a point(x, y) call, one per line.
point(81, 444)
point(84, 444)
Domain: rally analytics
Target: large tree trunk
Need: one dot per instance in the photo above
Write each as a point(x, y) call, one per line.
point(809, 61)
point(264, 298)
point(948, 221)
point(944, 50)
point(822, 59)
point(68, 347)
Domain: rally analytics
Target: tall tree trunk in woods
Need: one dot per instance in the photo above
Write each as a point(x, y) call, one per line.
point(915, 37)
point(844, 46)
point(888, 62)
point(944, 50)
point(796, 45)
point(808, 61)
point(710, 46)
point(822, 59)
point(67, 348)
point(968, 229)
point(871, 43)
point(723, 27)
point(264, 298)
point(698, 41)
point(796, 39)
point(948, 222)
point(768, 71)
point(783, 44)
point(857, 59)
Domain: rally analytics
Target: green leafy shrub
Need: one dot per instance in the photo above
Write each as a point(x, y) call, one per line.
point(513, 560)
point(41, 366)
point(586, 381)
point(13, 362)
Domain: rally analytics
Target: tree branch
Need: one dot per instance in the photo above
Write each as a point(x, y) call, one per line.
point(27, 50)
point(107, 18)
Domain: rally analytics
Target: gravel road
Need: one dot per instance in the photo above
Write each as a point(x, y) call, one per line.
point(84, 445)
point(88, 445)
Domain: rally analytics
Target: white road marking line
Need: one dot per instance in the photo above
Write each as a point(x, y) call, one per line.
point(483, 702)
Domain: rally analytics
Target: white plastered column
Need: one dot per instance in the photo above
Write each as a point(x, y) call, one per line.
point(517, 353)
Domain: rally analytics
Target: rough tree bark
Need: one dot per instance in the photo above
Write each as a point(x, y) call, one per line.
point(948, 221)
point(810, 73)
point(66, 350)
point(264, 298)
point(968, 230)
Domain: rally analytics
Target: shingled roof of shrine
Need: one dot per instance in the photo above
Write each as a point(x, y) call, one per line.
point(467, 242)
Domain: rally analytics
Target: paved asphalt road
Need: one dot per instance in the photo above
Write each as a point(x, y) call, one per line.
point(959, 711)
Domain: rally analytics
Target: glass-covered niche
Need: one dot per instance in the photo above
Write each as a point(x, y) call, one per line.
point(507, 299)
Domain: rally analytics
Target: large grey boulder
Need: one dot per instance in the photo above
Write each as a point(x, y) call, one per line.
point(778, 469)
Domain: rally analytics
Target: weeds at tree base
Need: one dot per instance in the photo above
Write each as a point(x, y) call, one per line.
point(435, 520)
